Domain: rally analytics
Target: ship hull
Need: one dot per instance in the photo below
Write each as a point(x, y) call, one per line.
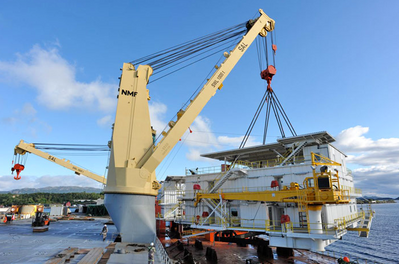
point(133, 216)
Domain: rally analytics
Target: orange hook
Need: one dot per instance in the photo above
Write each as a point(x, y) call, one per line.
point(18, 168)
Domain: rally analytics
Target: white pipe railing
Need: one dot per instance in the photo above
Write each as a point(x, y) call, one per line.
point(162, 252)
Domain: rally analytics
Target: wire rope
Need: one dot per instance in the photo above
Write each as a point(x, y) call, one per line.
point(253, 122)
point(168, 56)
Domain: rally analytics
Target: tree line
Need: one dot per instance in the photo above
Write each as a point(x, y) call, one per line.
point(46, 198)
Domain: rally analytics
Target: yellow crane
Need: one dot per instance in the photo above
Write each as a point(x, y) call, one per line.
point(131, 184)
point(22, 148)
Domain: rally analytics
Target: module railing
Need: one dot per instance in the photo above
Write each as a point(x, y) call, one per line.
point(162, 252)
point(351, 190)
point(343, 222)
point(276, 226)
point(246, 165)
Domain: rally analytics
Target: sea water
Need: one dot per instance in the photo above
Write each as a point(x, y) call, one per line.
point(382, 245)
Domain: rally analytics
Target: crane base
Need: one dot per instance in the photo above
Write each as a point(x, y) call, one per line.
point(133, 216)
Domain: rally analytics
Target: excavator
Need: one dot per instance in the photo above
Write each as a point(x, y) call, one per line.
point(131, 185)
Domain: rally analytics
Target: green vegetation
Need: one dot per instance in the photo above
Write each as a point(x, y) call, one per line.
point(97, 210)
point(46, 198)
point(375, 201)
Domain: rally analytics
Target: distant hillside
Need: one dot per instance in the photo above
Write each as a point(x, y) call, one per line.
point(376, 198)
point(58, 189)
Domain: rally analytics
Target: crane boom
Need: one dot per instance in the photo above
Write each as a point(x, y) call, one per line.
point(262, 25)
point(131, 182)
point(22, 148)
point(134, 157)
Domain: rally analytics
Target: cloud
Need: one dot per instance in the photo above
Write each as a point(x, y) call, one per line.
point(157, 114)
point(28, 110)
point(203, 140)
point(236, 141)
point(379, 181)
point(105, 121)
point(378, 161)
point(8, 183)
point(352, 140)
point(54, 79)
point(194, 154)
point(27, 118)
point(366, 151)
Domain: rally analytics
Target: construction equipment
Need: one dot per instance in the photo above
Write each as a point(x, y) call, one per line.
point(307, 202)
point(131, 180)
point(9, 217)
point(135, 154)
point(41, 221)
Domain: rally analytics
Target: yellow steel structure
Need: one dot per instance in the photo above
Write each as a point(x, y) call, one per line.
point(22, 148)
point(311, 194)
point(321, 188)
point(318, 160)
point(131, 182)
point(134, 157)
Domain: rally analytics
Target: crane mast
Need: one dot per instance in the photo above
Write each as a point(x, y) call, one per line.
point(131, 182)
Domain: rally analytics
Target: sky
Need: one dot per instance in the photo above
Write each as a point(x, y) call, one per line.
point(337, 66)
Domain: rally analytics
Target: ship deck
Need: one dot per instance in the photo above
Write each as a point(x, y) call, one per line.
point(19, 244)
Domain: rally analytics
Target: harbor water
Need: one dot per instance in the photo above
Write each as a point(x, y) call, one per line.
point(382, 245)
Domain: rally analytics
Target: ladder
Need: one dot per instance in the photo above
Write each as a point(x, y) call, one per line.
point(169, 213)
point(214, 207)
point(366, 223)
point(302, 209)
point(303, 221)
point(294, 152)
point(225, 177)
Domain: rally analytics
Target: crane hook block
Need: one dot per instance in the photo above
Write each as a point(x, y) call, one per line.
point(18, 168)
point(268, 75)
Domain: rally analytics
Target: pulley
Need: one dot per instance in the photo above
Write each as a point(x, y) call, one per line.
point(268, 75)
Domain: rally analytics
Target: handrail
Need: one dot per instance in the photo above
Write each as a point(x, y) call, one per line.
point(341, 223)
point(246, 165)
point(162, 252)
point(276, 226)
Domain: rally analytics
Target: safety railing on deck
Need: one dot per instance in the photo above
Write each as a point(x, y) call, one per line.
point(243, 189)
point(276, 226)
point(170, 196)
point(351, 190)
point(204, 170)
point(343, 222)
point(298, 227)
point(246, 165)
point(169, 213)
point(162, 252)
point(269, 163)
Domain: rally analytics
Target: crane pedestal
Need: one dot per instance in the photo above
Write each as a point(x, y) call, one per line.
point(133, 216)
